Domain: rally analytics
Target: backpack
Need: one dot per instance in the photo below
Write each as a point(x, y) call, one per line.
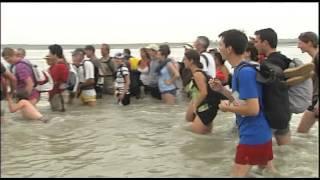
point(275, 106)
point(72, 81)
point(213, 97)
point(300, 95)
point(42, 79)
point(96, 71)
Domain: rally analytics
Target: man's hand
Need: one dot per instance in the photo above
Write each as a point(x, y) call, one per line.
point(216, 85)
point(223, 106)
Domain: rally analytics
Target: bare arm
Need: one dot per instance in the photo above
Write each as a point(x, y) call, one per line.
point(249, 108)
point(173, 71)
point(29, 85)
point(202, 85)
point(216, 85)
point(12, 79)
point(14, 107)
point(127, 84)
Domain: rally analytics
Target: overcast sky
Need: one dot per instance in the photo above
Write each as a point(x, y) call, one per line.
point(84, 23)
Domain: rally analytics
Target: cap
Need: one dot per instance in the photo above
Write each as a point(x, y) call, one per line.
point(153, 46)
point(119, 55)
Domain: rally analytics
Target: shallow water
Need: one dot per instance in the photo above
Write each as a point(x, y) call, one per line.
point(145, 139)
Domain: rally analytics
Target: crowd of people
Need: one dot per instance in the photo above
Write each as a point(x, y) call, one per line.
point(206, 80)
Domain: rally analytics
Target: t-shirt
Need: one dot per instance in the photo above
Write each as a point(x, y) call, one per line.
point(88, 73)
point(122, 71)
point(59, 73)
point(211, 68)
point(23, 72)
point(154, 63)
point(252, 129)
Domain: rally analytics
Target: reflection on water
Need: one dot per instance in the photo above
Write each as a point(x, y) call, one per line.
point(145, 139)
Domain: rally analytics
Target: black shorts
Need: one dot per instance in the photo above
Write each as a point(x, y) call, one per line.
point(207, 113)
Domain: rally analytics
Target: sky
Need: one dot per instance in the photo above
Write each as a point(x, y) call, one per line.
point(120, 23)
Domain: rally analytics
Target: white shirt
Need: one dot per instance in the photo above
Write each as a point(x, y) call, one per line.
point(120, 81)
point(211, 68)
point(88, 73)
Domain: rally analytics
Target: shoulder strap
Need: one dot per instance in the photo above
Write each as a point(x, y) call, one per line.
point(206, 58)
point(242, 65)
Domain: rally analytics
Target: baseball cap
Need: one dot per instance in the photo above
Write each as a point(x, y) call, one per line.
point(153, 46)
point(119, 55)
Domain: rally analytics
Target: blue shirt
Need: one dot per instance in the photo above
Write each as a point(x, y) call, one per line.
point(252, 129)
point(164, 76)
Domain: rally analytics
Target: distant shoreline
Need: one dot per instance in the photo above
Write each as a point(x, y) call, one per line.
point(121, 46)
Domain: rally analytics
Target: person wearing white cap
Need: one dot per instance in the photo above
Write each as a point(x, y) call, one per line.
point(153, 76)
point(122, 82)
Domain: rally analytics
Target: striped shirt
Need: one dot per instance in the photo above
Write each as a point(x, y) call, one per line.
point(122, 71)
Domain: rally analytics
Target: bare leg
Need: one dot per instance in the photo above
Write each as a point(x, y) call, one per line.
point(240, 170)
point(283, 139)
point(169, 99)
point(92, 103)
point(199, 128)
point(270, 167)
point(307, 121)
point(189, 114)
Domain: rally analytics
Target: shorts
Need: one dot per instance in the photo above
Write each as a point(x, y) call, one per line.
point(57, 102)
point(207, 113)
point(126, 99)
point(280, 132)
point(88, 96)
point(258, 154)
point(173, 92)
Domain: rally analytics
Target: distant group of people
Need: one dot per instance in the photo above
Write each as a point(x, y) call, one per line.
point(206, 80)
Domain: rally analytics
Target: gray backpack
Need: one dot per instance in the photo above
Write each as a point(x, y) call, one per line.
point(300, 95)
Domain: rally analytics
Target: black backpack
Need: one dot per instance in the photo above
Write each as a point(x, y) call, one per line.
point(275, 98)
point(213, 97)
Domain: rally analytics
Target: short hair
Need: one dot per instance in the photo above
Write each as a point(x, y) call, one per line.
point(22, 50)
point(204, 41)
point(195, 56)
point(7, 52)
point(127, 51)
point(253, 52)
point(90, 48)
point(164, 50)
point(78, 50)
point(106, 46)
point(309, 37)
point(57, 50)
point(236, 39)
point(268, 35)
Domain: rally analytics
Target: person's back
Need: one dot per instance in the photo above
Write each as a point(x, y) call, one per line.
point(253, 129)
point(28, 110)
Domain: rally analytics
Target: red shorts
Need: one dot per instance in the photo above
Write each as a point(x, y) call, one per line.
point(258, 154)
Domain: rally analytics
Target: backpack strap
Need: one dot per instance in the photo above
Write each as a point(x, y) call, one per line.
point(205, 58)
point(30, 66)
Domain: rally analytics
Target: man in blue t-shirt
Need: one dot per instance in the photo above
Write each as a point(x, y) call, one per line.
point(255, 146)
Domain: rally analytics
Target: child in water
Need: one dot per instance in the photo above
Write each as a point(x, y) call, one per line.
point(27, 110)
